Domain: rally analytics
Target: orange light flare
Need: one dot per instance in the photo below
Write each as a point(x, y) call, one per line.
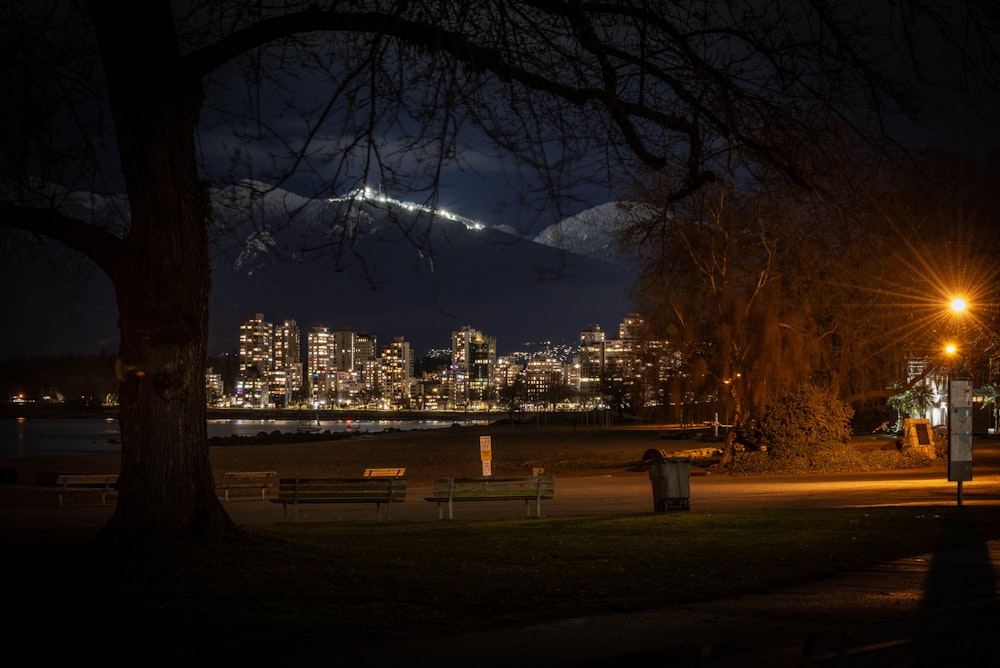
point(942, 285)
point(928, 316)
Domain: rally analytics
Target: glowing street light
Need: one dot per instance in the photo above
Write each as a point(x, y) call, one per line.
point(959, 391)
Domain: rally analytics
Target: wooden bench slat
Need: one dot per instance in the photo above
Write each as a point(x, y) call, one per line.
point(87, 479)
point(262, 480)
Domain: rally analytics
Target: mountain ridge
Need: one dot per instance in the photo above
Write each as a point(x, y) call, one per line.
point(422, 276)
point(469, 273)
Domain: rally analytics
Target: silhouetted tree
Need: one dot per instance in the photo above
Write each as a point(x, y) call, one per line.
point(122, 119)
point(511, 397)
point(772, 287)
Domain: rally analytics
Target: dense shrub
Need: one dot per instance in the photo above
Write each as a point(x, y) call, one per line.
point(800, 426)
point(940, 444)
point(838, 458)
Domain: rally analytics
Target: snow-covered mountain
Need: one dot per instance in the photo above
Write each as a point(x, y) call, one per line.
point(592, 233)
point(392, 268)
point(373, 264)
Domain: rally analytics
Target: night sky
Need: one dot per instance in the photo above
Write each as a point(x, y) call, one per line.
point(53, 305)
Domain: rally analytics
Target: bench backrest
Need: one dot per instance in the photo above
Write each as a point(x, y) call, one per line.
point(262, 476)
point(333, 489)
point(87, 480)
point(540, 487)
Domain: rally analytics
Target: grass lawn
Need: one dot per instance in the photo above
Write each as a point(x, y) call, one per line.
point(312, 586)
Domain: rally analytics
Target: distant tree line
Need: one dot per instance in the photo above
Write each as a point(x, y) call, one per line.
point(82, 379)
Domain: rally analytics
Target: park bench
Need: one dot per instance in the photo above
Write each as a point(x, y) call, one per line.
point(448, 491)
point(103, 484)
point(255, 480)
point(378, 490)
point(958, 635)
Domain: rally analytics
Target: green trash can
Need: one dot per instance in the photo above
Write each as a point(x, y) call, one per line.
point(671, 481)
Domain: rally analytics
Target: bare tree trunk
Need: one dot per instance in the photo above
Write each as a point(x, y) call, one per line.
point(167, 490)
point(162, 280)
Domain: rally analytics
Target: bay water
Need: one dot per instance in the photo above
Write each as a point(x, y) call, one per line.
point(51, 437)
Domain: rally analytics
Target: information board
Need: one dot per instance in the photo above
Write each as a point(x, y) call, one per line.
point(486, 455)
point(959, 428)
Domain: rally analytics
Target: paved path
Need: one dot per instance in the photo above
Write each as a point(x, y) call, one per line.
point(625, 493)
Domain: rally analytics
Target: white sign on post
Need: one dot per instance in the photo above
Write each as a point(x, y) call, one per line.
point(486, 455)
point(959, 428)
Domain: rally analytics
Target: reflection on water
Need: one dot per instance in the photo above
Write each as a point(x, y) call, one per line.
point(20, 437)
point(40, 437)
point(37, 437)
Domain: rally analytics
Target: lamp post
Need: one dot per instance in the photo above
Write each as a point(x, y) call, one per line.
point(959, 422)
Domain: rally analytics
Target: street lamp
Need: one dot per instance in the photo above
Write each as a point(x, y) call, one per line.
point(959, 391)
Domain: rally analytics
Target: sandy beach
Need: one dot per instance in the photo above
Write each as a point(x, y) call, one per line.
point(564, 451)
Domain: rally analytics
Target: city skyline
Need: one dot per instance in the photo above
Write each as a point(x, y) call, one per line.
point(346, 368)
point(526, 347)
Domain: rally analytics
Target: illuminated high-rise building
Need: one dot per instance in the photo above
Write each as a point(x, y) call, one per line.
point(256, 357)
point(286, 377)
point(396, 373)
point(256, 341)
point(214, 389)
point(545, 381)
point(633, 331)
point(473, 361)
point(345, 349)
point(365, 348)
point(320, 353)
point(592, 360)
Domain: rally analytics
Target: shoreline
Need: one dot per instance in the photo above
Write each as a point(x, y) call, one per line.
point(582, 418)
point(562, 450)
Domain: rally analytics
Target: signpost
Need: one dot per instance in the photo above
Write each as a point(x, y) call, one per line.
point(959, 430)
point(486, 455)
